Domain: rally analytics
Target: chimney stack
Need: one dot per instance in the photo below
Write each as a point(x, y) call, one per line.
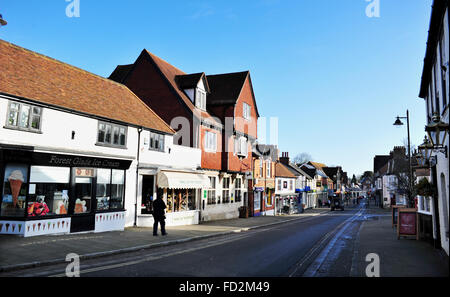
point(285, 158)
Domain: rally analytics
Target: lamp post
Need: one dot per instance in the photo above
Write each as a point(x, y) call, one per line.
point(398, 122)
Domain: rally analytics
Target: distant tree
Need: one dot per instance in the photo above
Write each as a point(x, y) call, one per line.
point(354, 180)
point(401, 171)
point(302, 158)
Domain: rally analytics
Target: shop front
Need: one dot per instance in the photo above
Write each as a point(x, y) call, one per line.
point(181, 191)
point(258, 197)
point(44, 193)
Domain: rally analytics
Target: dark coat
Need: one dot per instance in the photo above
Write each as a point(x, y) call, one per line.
point(158, 208)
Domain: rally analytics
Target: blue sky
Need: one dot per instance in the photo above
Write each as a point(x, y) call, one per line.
point(335, 78)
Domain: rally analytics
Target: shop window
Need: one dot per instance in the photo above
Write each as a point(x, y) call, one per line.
point(180, 200)
point(48, 191)
point(212, 190)
point(156, 142)
point(238, 190)
point(226, 190)
point(111, 135)
point(24, 117)
point(117, 189)
point(103, 192)
point(14, 190)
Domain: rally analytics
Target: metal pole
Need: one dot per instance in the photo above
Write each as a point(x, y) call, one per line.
point(409, 158)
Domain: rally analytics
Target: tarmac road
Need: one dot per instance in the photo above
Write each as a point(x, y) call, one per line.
point(307, 247)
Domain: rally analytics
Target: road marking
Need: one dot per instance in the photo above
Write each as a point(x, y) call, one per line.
point(319, 244)
point(318, 262)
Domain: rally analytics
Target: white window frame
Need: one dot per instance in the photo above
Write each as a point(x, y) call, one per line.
point(161, 142)
point(210, 141)
point(31, 115)
point(200, 99)
point(241, 146)
point(113, 127)
point(247, 111)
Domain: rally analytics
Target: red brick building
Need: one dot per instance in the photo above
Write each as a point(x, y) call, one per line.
point(215, 113)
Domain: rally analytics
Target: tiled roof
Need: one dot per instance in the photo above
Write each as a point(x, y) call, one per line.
point(171, 72)
point(37, 77)
point(283, 171)
point(226, 88)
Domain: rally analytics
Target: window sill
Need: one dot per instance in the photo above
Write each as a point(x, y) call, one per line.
point(156, 150)
point(111, 146)
point(22, 129)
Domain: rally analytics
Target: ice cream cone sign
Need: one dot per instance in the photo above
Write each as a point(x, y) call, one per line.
point(15, 181)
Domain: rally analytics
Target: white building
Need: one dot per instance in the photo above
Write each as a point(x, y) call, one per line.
point(435, 90)
point(77, 149)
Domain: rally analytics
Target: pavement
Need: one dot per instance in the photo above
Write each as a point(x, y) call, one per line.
point(404, 257)
point(27, 252)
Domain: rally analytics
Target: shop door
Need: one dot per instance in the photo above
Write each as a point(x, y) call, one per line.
point(83, 218)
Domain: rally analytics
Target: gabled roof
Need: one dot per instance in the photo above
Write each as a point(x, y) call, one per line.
point(170, 73)
point(266, 151)
point(379, 161)
point(120, 73)
point(190, 81)
point(308, 169)
point(226, 88)
point(33, 76)
point(331, 172)
point(300, 171)
point(317, 165)
point(282, 170)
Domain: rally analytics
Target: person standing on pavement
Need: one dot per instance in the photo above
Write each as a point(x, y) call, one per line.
point(159, 216)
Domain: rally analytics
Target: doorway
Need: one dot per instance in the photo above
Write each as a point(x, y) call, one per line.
point(148, 190)
point(83, 218)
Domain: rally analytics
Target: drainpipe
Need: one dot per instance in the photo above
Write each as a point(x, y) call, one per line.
point(137, 177)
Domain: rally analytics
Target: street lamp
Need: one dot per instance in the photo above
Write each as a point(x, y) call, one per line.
point(398, 123)
point(437, 132)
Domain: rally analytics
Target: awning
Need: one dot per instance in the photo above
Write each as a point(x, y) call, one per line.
point(182, 180)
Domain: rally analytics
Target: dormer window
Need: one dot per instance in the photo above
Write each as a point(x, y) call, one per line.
point(200, 99)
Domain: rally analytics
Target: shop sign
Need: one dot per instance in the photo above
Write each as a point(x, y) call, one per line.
point(78, 161)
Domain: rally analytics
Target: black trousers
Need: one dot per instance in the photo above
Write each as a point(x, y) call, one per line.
point(161, 220)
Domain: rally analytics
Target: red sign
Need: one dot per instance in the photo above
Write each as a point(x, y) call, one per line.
point(407, 222)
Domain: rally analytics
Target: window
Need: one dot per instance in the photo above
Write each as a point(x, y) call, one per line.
point(238, 190)
point(24, 117)
point(111, 134)
point(291, 185)
point(247, 111)
point(48, 191)
point(240, 146)
point(443, 74)
point(156, 142)
point(261, 168)
point(14, 190)
point(117, 189)
point(103, 188)
point(269, 169)
point(279, 185)
point(212, 190)
point(226, 190)
point(200, 101)
point(210, 141)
